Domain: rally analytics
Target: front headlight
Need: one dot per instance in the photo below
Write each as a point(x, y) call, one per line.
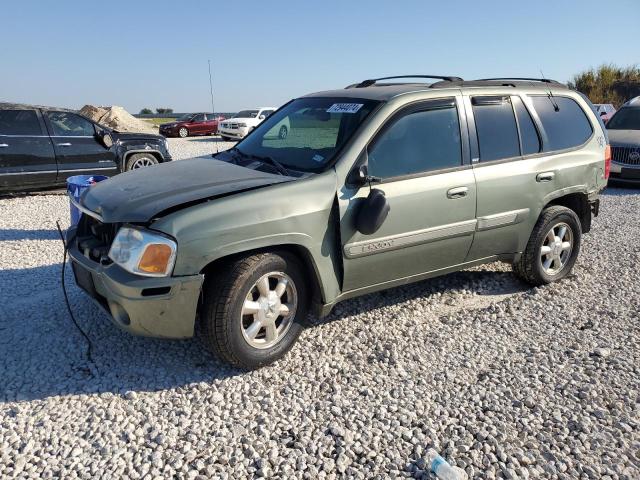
point(143, 252)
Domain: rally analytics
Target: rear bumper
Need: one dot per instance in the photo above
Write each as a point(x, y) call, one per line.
point(152, 307)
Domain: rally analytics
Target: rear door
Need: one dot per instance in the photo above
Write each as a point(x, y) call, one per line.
point(517, 165)
point(421, 155)
point(26, 154)
point(198, 124)
point(78, 149)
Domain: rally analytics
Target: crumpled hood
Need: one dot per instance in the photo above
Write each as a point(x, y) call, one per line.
point(140, 195)
point(629, 138)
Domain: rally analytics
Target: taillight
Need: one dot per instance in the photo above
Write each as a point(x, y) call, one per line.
point(607, 161)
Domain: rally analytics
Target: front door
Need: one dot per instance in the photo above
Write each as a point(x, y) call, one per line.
point(78, 149)
point(421, 155)
point(26, 154)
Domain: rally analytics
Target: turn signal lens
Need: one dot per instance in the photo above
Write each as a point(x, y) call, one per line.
point(607, 162)
point(155, 258)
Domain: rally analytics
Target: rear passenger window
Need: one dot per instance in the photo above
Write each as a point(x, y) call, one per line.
point(418, 142)
point(565, 128)
point(529, 139)
point(19, 122)
point(496, 128)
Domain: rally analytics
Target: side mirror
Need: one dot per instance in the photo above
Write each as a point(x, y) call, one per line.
point(373, 212)
point(361, 177)
point(106, 138)
point(261, 117)
point(603, 113)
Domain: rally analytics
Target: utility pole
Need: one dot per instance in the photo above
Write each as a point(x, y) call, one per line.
point(213, 110)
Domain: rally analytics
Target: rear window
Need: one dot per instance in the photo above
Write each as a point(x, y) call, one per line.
point(566, 127)
point(496, 128)
point(19, 122)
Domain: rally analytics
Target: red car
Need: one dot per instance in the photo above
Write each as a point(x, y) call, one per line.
point(191, 124)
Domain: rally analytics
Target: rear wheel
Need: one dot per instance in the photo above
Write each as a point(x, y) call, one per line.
point(254, 312)
point(183, 132)
point(552, 249)
point(141, 160)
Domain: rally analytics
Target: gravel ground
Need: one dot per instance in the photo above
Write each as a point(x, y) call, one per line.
point(503, 380)
point(181, 148)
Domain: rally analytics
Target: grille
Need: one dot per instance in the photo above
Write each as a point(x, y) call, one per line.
point(626, 155)
point(94, 238)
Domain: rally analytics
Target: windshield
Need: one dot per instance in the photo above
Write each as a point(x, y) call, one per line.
point(626, 119)
point(306, 134)
point(247, 114)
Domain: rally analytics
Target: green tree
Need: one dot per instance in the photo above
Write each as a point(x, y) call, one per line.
point(164, 110)
point(608, 83)
point(146, 111)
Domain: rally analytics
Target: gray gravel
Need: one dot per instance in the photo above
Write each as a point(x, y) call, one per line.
point(502, 380)
point(181, 148)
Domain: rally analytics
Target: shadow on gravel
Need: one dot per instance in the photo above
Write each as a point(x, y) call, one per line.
point(482, 282)
point(43, 355)
point(11, 234)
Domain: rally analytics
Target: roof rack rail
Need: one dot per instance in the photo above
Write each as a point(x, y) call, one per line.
point(373, 81)
point(544, 80)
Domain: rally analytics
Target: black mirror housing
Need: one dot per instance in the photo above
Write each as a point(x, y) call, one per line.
point(372, 212)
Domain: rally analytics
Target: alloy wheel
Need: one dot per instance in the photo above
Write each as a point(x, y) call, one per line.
point(268, 310)
point(556, 248)
point(143, 162)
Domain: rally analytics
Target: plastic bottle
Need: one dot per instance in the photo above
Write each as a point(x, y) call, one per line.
point(442, 469)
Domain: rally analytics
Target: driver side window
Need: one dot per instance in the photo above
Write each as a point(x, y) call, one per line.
point(198, 118)
point(66, 124)
point(419, 141)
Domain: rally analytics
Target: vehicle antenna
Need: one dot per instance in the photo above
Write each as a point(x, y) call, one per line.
point(213, 110)
point(550, 95)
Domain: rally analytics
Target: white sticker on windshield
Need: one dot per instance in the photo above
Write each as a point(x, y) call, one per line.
point(344, 107)
point(317, 158)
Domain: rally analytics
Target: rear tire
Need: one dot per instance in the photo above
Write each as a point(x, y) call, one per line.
point(244, 316)
point(552, 249)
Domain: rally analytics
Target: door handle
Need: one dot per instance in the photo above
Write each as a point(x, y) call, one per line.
point(457, 192)
point(4, 145)
point(545, 176)
point(64, 144)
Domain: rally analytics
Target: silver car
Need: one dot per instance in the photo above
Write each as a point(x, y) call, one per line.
point(624, 138)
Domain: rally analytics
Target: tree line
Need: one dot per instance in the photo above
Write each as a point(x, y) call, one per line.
point(161, 110)
point(608, 83)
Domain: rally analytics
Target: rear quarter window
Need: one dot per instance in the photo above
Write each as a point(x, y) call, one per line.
point(566, 127)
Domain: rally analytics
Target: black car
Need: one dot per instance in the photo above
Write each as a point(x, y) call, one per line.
point(41, 146)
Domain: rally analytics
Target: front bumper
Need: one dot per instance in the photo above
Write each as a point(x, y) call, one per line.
point(233, 133)
point(152, 307)
point(624, 173)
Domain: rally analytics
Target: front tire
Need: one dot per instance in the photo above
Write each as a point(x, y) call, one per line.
point(183, 132)
point(140, 160)
point(552, 249)
point(254, 311)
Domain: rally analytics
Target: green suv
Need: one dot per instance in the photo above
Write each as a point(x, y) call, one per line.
point(376, 185)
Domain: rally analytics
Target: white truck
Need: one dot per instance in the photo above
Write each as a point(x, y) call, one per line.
point(239, 126)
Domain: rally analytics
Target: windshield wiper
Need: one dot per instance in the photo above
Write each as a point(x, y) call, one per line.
point(270, 160)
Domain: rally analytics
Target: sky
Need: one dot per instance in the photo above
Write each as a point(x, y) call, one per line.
point(140, 53)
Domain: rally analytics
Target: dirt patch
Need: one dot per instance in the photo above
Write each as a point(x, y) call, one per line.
point(117, 118)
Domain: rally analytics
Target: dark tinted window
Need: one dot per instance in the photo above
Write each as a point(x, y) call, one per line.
point(496, 127)
point(529, 139)
point(627, 118)
point(198, 118)
point(67, 124)
point(568, 127)
point(19, 122)
point(418, 142)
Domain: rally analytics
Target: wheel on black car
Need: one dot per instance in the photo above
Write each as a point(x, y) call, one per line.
point(283, 132)
point(140, 160)
point(183, 132)
point(253, 312)
point(553, 247)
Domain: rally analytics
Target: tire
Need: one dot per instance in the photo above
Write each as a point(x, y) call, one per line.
point(140, 160)
point(283, 132)
point(538, 267)
point(228, 319)
point(183, 132)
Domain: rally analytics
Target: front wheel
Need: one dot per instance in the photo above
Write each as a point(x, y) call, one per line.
point(552, 249)
point(140, 160)
point(254, 312)
point(183, 132)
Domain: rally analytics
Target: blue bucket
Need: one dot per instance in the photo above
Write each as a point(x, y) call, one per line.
point(75, 188)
